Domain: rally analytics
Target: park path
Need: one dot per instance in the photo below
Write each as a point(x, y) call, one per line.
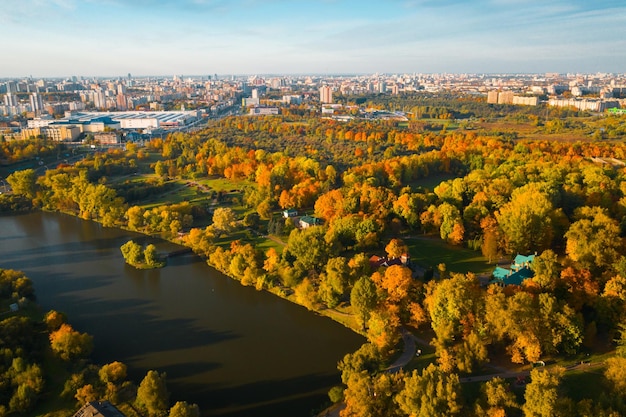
point(410, 348)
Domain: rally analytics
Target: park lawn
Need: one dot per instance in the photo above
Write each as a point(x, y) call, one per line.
point(246, 236)
point(224, 184)
point(430, 252)
point(584, 383)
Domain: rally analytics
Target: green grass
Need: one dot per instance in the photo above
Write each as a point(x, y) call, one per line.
point(224, 184)
point(430, 252)
point(581, 384)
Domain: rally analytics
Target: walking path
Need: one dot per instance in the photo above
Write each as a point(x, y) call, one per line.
point(410, 347)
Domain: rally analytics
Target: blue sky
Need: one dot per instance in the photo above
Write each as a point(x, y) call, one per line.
point(47, 38)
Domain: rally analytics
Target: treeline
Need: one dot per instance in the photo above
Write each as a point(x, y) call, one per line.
point(17, 150)
point(29, 345)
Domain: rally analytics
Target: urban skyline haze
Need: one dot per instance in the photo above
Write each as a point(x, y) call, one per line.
point(57, 38)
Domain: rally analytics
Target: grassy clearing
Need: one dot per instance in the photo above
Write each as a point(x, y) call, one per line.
point(584, 383)
point(224, 184)
point(430, 252)
point(432, 181)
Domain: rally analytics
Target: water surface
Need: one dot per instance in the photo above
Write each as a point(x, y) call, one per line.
point(233, 350)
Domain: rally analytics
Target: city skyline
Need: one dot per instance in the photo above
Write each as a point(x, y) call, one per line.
point(54, 38)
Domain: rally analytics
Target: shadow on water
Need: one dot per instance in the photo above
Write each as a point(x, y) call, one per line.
point(285, 397)
point(57, 254)
point(131, 328)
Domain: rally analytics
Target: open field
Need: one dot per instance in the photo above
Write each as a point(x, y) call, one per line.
point(430, 252)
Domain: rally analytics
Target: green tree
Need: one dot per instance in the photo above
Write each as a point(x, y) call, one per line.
point(152, 394)
point(434, 393)
point(160, 169)
point(526, 220)
point(23, 399)
point(151, 256)
point(132, 252)
point(23, 182)
point(546, 269)
point(363, 298)
point(334, 283)
point(542, 393)
point(309, 248)
point(366, 360)
point(594, 240)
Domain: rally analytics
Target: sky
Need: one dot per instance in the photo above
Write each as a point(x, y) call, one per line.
point(60, 38)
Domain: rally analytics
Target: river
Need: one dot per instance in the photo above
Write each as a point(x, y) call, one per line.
point(231, 349)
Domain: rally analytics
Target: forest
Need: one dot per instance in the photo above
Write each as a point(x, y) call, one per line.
point(506, 181)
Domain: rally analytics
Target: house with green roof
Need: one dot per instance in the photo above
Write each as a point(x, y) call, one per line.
point(517, 274)
point(308, 221)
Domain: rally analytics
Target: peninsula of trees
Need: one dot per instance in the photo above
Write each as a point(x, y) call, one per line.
point(462, 177)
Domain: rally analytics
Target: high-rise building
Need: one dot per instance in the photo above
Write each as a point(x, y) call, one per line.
point(36, 103)
point(10, 100)
point(326, 94)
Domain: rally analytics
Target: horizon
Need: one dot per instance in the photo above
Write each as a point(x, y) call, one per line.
point(304, 74)
point(57, 38)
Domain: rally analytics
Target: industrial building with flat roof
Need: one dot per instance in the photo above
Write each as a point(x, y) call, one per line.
point(134, 119)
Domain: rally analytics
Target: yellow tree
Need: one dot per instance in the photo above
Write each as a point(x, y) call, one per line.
point(396, 248)
point(70, 344)
point(526, 220)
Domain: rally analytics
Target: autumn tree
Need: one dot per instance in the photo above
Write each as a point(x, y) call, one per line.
point(70, 344)
point(546, 270)
point(365, 361)
point(371, 396)
point(23, 182)
point(395, 283)
point(615, 373)
point(151, 257)
point(454, 305)
point(432, 393)
point(396, 248)
point(542, 393)
point(496, 399)
point(224, 219)
point(526, 220)
point(183, 409)
point(490, 245)
point(54, 320)
point(152, 395)
point(594, 240)
point(132, 252)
